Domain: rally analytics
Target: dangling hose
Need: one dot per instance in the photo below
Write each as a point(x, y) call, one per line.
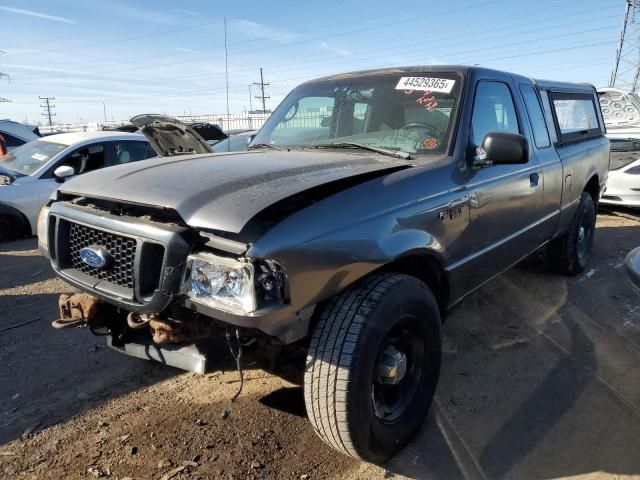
point(137, 323)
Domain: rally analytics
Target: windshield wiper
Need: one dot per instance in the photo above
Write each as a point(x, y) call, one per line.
point(362, 146)
point(255, 146)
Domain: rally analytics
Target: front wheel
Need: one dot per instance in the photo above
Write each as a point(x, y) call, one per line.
point(11, 227)
point(373, 366)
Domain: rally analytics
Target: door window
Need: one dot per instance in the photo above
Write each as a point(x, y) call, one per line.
point(493, 111)
point(125, 152)
point(536, 116)
point(86, 159)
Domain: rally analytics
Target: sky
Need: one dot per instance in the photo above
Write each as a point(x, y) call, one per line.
point(124, 58)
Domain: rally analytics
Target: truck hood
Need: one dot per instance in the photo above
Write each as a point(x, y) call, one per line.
point(170, 137)
point(224, 192)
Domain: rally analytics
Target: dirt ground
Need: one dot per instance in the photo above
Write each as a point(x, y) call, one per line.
point(540, 379)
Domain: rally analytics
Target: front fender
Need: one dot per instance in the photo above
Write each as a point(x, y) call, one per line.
point(326, 247)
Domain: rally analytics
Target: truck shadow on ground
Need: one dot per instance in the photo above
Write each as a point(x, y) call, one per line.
point(535, 378)
point(527, 390)
point(550, 399)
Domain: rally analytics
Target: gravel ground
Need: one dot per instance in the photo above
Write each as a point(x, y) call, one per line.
point(541, 379)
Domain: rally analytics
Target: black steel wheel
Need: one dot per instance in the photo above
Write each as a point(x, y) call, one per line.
point(373, 366)
point(11, 227)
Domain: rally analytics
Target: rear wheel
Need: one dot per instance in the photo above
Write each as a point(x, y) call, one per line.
point(569, 254)
point(373, 365)
point(11, 227)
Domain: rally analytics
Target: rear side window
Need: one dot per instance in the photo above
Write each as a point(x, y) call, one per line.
point(126, 152)
point(12, 141)
point(536, 116)
point(576, 116)
point(493, 111)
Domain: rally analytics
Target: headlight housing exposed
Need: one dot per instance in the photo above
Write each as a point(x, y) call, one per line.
point(42, 229)
point(221, 283)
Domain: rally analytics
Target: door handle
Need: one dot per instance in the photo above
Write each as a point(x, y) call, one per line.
point(534, 178)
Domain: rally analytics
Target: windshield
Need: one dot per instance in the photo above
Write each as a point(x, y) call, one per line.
point(408, 112)
point(30, 157)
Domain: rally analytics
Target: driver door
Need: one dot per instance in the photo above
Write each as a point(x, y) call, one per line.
point(505, 200)
point(83, 159)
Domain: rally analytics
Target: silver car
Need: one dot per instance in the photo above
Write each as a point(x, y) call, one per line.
point(16, 134)
point(30, 173)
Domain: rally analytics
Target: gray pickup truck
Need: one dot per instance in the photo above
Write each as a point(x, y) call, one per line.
point(367, 206)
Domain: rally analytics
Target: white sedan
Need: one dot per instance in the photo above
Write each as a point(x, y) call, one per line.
point(30, 173)
point(621, 112)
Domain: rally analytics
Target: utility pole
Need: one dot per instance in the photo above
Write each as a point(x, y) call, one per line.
point(262, 96)
point(47, 107)
point(627, 52)
point(104, 111)
point(2, 74)
point(226, 69)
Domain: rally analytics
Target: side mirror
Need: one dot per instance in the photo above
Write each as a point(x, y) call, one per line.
point(502, 148)
point(62, 172)
point(632, 262)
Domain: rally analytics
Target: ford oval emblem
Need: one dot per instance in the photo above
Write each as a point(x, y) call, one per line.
point(94, 256)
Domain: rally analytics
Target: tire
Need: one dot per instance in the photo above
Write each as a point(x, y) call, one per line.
point(569, 254)
point(11, 227)
point(351, 406)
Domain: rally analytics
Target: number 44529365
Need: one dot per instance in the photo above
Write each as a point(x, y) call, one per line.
point(426, 83)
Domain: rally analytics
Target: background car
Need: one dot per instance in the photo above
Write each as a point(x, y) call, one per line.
point(621, 112)
point(632, 263)
point(31, 172)
point(236, 142)
point(16, 134)
point(623, 184)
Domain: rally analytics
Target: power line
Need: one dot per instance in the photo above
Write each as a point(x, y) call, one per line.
point(341, 33)
point(441, 40)
point(47, 108)
point(262, 97)
point(629, 36)
point(457, 36)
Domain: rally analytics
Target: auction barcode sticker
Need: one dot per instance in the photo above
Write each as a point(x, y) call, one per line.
point(426, 84)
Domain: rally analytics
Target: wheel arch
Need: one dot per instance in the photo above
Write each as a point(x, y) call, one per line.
point(592, 187)
point(426, 267)
point(9, 210)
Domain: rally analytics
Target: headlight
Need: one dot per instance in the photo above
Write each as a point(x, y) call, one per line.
point(221, 283)
point(42, 229)
point(634, 170)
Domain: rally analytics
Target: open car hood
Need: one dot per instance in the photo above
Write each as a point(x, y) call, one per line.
point(170, 137)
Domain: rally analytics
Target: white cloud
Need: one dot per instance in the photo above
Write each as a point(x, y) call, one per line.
point(186, 50)
point(188, 12)
point(343, 52)
point(31, 13)
point(20, 51)
point(260, 30)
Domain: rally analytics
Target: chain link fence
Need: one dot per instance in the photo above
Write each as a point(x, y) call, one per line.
point(241, 121)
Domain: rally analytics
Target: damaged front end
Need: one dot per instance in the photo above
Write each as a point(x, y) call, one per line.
point(158, 289)
point(175, 337)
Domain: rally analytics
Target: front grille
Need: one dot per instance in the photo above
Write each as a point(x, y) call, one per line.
point(122, 249)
